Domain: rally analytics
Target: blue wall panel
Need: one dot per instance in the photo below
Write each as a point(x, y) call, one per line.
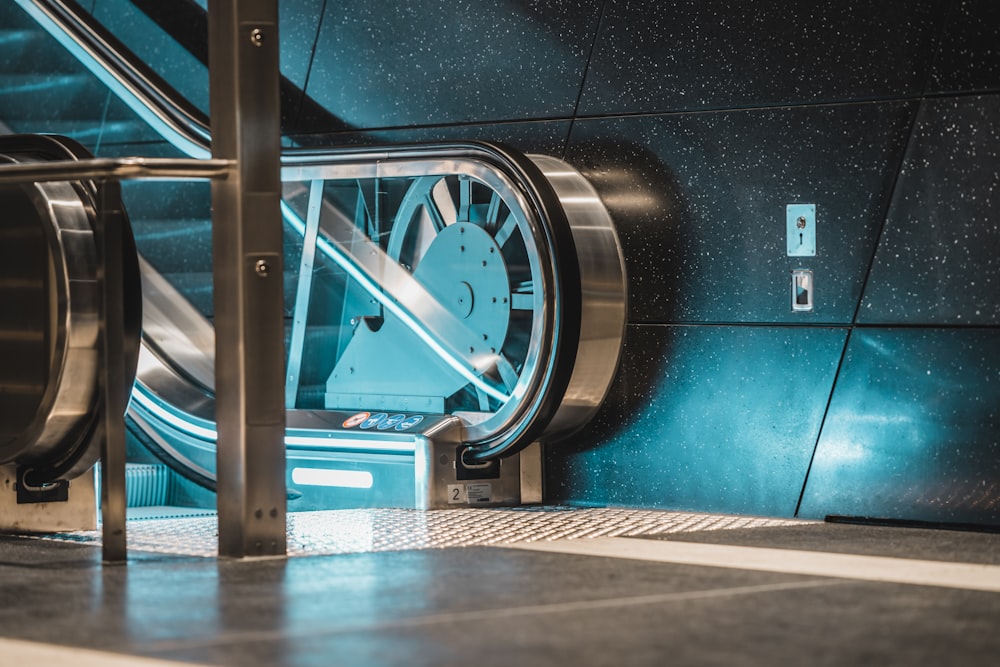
point(913, 430)
point(939, 259)
point(699, 201)
point(704, 418)
point(428, 62)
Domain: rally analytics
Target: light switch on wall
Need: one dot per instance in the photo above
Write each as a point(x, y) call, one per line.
point(802, 290)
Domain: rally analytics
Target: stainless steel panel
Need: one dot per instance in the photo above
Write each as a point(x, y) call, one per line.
point(57, 391)
point(438, 485)
point(249, 318)
point(78, 512)
point(800, 230)
point(371, 530)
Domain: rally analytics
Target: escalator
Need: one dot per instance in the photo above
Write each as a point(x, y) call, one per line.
point(456, 287)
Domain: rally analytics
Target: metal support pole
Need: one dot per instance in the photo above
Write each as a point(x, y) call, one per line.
point(113, 392)
point(304, 292)
point(247, 256)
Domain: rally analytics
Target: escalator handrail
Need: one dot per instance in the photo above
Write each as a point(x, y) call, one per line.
point(102, 169)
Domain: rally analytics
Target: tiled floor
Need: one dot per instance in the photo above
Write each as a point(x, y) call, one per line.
point(511, 587)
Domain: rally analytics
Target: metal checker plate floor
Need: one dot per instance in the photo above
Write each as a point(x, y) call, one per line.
point(369, 530)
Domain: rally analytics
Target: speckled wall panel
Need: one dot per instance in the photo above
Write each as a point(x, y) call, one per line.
point(656, 56)
point(698, 419)
point(938, 261)
point(299, 22)
point(969, 56)
point(547, 137)
point(434, 62)
point(913, 430)
point(699, 201)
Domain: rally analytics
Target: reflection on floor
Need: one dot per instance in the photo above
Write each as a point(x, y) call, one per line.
point(509, 587)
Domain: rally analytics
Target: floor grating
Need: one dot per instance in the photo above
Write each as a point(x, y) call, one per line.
point(368, 530)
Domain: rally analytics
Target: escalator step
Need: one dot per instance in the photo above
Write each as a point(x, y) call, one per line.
point(147, 484)
point(153, 512)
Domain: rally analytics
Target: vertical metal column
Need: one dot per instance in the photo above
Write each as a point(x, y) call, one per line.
point(113, 392)
point(247, 256)
point(299, 323)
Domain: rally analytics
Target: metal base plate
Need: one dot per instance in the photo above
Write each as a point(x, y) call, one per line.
point(442, 481)
point(369, 530)
point(79, 512)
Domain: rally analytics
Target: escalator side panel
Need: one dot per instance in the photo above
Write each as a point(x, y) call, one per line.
point(54, 222)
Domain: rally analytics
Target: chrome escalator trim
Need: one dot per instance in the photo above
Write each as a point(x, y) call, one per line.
point(604, 296)
point(70, 384)
point(176, 330)
point(63, 212)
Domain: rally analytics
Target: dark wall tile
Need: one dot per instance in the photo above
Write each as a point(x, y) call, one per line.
point(711, 418)
point(913, 430)
point(938, 261)
point(699, 202)
point(969, 56)
point(656, 56)
point(433, 62)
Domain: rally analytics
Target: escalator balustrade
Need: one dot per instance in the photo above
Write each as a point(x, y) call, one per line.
point(49, 316)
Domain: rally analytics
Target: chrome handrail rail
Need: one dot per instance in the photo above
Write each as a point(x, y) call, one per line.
point(115, 169)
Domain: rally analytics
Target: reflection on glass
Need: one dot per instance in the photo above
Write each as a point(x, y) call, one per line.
point(421, 295)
